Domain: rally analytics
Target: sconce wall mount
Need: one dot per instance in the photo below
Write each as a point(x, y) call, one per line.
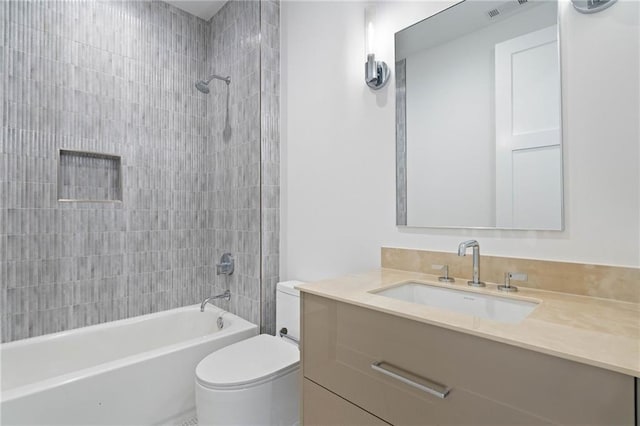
point(591, 6)
point(376, 73)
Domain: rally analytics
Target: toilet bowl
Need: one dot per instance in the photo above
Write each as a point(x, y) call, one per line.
point(255, 381)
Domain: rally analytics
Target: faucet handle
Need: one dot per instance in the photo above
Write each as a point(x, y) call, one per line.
point(226, 265)
point(515, 276)
point(445, 278)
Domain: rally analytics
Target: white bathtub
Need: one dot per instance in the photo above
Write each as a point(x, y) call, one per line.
point(138, 371)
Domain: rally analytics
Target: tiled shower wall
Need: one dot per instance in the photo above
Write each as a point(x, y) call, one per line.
point(233, 180)
point(117, 78)
point(110, 77)
point(243, 186)
point(270, 159)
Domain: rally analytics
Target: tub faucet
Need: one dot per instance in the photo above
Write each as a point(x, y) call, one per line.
point(226, 295)
point(462, 251)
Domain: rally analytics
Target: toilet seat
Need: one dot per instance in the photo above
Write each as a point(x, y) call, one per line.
point(248, 363)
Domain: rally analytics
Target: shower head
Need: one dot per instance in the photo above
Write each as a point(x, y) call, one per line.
point(203, 85)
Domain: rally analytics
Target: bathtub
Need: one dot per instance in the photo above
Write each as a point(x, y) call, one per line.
point(137, 371)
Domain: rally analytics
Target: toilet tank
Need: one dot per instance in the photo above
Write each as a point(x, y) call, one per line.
point(288, 308)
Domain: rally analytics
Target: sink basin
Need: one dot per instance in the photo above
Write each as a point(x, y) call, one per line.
point(471, 303)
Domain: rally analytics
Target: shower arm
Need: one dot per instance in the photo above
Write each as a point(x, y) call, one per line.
point(218, 77)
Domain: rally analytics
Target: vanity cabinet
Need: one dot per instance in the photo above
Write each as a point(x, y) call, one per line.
point(488, 382)
point(328, 409)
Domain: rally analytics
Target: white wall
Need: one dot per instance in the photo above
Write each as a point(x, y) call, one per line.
point(338, 144)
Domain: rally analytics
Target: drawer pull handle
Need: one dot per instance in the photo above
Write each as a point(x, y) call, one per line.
point(433, 388)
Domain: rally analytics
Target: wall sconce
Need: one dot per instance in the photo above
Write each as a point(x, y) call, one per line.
point(591, 6)
point(376, 73)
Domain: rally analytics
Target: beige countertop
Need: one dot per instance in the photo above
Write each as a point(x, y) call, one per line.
point(599, 332)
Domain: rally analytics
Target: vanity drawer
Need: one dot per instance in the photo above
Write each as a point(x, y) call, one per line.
point(321, 407)
point(491, 382)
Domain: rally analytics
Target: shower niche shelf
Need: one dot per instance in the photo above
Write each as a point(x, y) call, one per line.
point(89, 177)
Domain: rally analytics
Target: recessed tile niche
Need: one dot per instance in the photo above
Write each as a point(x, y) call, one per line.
point(89, 177)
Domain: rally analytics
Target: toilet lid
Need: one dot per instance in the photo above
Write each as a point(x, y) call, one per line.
point(248, 363)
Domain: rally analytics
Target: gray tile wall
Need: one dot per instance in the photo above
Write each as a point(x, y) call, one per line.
point(233, 151)
point(243, 186)
point(270, 159)
point(118, 77)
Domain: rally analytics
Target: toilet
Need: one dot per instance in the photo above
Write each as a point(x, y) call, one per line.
point(255, 381)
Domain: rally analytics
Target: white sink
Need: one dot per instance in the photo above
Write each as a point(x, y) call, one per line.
point(478, 305)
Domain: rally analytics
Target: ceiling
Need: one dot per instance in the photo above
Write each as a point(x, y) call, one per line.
point(204, 9)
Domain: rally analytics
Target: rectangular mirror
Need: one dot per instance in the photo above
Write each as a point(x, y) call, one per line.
point(478, 118)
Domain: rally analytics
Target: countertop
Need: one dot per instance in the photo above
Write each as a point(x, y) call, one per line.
point(599, 332)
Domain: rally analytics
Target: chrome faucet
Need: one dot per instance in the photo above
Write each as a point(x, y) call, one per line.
point(226, 295)
point(462, 251)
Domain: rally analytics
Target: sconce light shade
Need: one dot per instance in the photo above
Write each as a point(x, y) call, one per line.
point(591, 6)
point(369, 29)
point(376, 73)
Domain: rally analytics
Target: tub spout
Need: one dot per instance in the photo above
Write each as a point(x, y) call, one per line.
point(226, 296)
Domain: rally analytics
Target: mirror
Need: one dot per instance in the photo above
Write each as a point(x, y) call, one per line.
point(478, 118)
